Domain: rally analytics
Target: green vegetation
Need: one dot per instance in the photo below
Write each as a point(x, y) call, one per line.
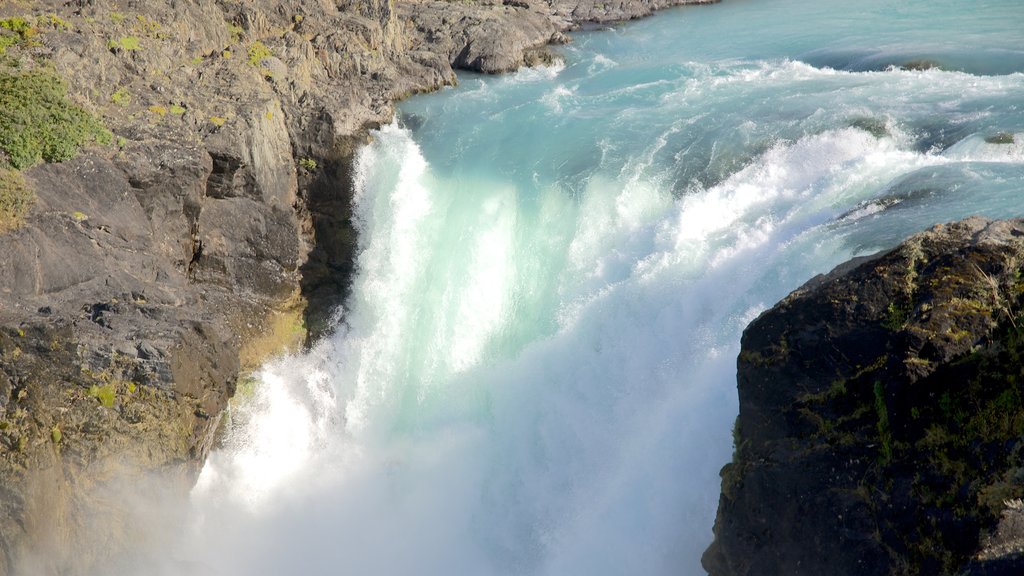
point(23, 27)
point(14, 31)
point(308, 163)
point(106, 394)
point(15, 199)
point(55, 434)
point(897, 315)
point(158, 110)
point(177, 110)
point(218, 121)
point(121, 97)
point(149, 28)
point(6, 41)
point(40, 123)
point(258, 52)
point(124, 43)
point(55, 22)
point(235, 30)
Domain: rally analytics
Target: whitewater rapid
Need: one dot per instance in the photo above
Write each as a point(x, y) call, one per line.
point(535, 371)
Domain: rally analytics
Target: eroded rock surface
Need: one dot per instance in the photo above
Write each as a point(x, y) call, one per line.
point(881, 417)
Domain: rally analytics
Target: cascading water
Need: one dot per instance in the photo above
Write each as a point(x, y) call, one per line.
point(536, 370)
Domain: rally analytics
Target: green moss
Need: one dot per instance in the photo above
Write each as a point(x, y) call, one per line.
point(15, 199)
point(40, 123)
point(258, 52)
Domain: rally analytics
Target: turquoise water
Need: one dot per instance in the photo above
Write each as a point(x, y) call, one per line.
point(535, 374)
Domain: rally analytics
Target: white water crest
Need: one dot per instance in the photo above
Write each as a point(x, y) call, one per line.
point(535, 372)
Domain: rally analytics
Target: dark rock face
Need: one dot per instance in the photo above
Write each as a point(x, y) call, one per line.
point(881, 417)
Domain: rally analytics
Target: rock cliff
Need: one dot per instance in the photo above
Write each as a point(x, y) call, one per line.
point(203, 224)
point(881, 417)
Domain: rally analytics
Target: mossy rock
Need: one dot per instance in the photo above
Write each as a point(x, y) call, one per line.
point(1000, 138)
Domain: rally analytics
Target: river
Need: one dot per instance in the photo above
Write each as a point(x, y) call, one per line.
point(535, 371)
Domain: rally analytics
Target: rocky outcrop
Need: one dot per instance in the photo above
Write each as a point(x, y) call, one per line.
point(881, 417)
point(214, 230)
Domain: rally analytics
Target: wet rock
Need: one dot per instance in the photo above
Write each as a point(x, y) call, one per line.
point(1000, 138)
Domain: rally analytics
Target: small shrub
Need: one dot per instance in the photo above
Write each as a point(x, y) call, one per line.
point(308, 163)
point(124, 43)
point(117, 17)
point(15, 199)
point(158, 110)
point(121, 97)
point(55, 434)
point(258, 52)
point(6, 41)
point(23, 27)
point(18, 31)
point(105, 394)
point(177, 110)
point(55, 22)
point(40, 123)
point(235, 30)
point(149, 28)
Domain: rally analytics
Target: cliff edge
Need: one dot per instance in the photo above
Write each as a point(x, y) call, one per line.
point(881, 417)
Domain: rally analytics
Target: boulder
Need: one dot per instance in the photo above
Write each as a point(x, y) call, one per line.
point(881, 416)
